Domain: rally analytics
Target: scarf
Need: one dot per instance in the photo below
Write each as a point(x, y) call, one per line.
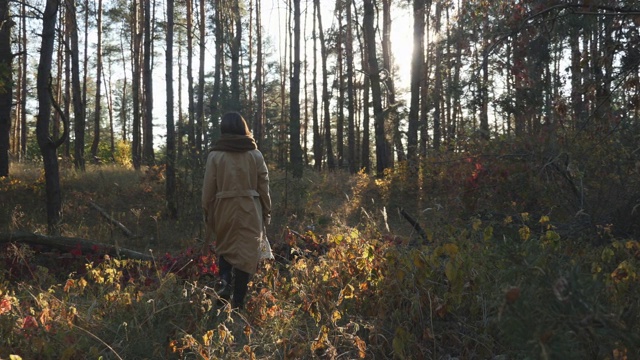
point(235, 143)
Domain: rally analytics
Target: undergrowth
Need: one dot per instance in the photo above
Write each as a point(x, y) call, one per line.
point(493, 269)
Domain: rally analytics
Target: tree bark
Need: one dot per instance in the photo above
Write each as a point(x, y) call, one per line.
point(351, 137)
point(67, 244)
point(200, 123)
point(325, 90)
point(6, 85)
point(136, 146)
point(294, 126)
point(382, 146)
point(76, 88)
point(47, 145)
point(147, 143)
point(417, 74)
point(170, 161)
point(98, 105)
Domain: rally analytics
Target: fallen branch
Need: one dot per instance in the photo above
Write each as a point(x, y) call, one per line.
point(113, 221)
point(66, 244)
point(414, 224)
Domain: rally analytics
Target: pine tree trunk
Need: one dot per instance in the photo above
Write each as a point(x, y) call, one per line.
point(172, 207)
point(325, 91)
point(296, 149)
point(147, 150)
point(200, 123)
point(317, 136)
point(76, 88)
point(351, 137)
point(417, 74)
point(98, 105)
point(45, 142)
point(383, 156)
point(6, 85)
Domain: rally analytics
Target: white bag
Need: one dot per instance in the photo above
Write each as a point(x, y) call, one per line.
point(265, 248)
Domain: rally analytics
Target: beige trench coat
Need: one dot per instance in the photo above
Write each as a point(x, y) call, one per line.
point(236, 203)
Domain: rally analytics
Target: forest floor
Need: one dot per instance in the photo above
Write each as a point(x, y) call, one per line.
point(353, 277)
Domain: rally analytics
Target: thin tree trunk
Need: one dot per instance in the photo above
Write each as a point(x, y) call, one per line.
point(417, 75)
point(235, 58)
point(172, 207)
point(147, 151)
point(325, 90)
point(200, 123)
point(23, 90)
point(258, 121)
point(296, 150)
point(135, 85)
point(190, 95)
point(351, 137)
point(98, 104)
point(317, 137)
point(341, 89)
point(78, 103)
point(6, 85)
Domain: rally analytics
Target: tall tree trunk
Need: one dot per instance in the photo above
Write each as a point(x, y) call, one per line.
point(325, 90)
point(235, 58)
point(484, 89)
point(67, 78)
point(191, 128)
point(200, 123)
point(98, 105)
point(351, 137)
point(147, 151)
point(437, 97)
point(258, 122)
point(317, 136)
point(383, 156)
point(78, 103)
point(109, 95)
point(294, 126)
point(123, 102)
point(6, 85)
point(23, 90)
point(389, 83)
point(172, 207)
point(217, 71)
point(417, 75)
point(47, 145)
point(136, 34)
point(341, 89)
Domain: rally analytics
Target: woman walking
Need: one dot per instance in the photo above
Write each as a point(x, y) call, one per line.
point(237, 205)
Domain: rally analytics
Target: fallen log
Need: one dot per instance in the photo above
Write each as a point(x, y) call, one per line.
point(113, 221)
point(67, 244)
point(414, 223)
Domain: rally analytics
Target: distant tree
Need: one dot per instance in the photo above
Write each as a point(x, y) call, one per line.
point(6, 85)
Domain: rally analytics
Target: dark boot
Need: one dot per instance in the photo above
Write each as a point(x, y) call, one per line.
point(240, 288)
point(223, 285)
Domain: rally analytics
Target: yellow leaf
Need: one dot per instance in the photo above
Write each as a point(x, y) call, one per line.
point(451, 271)
point(336, 316)
point(525, 233)
point(451, 249)
point(488, 233)
point(206, 338)
point(544, 219)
